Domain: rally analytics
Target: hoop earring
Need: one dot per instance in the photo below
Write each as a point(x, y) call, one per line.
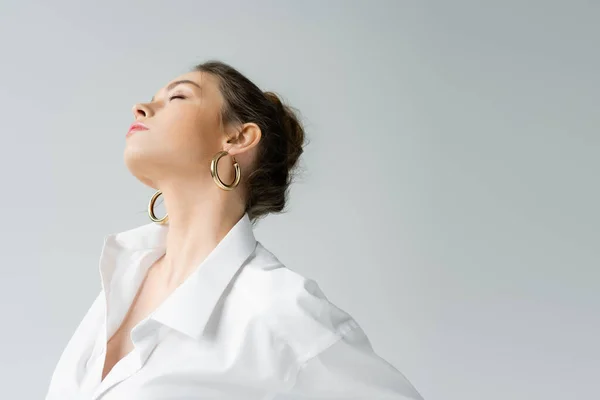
point(215, 174)
point(153, 216)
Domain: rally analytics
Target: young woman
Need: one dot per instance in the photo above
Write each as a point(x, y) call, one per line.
point(192, 305)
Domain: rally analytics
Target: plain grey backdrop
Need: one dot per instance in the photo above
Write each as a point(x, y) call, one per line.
point(449, 194)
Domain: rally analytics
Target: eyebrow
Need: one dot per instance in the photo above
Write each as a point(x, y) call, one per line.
point(176, 83)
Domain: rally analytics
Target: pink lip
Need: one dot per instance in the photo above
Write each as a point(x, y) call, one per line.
point(136, 126)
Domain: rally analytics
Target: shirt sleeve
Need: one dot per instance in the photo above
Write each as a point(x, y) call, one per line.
point(350, 369)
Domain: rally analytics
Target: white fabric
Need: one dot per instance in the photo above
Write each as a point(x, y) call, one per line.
point(241, 326)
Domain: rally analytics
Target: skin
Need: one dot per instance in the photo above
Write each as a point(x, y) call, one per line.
point(174, 156)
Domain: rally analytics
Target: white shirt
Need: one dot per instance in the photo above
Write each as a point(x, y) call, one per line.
point(241, 326)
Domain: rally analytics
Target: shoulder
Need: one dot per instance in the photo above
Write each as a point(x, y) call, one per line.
point(293, 306)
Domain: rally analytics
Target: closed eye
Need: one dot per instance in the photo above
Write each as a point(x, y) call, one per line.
point(178, 96)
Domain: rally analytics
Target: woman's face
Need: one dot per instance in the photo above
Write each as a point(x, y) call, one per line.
point(184, 130)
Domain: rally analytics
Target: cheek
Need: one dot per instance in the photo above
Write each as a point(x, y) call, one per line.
point(190, 131)
point(179, 139)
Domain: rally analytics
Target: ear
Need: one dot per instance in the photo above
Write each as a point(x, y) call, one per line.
point(245, 138)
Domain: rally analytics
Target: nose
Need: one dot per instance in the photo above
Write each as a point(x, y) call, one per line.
point(141, 110)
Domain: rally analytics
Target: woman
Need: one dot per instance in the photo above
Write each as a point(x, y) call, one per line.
point(192, 306)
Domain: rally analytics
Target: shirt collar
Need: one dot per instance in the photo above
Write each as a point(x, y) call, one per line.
point(190, 306)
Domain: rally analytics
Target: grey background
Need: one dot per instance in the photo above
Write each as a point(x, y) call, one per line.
point(449, 199)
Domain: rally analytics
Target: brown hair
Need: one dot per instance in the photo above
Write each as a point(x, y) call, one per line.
point(281, 143)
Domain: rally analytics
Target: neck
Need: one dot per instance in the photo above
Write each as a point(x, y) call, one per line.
point(200, 215)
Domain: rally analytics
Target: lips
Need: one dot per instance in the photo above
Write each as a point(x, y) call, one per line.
point(136, 126)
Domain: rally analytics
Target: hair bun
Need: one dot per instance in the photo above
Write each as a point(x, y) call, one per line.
point(292, 128)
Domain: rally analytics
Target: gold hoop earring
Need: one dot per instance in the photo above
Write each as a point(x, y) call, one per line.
point(153, 216)
point(215, 174)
